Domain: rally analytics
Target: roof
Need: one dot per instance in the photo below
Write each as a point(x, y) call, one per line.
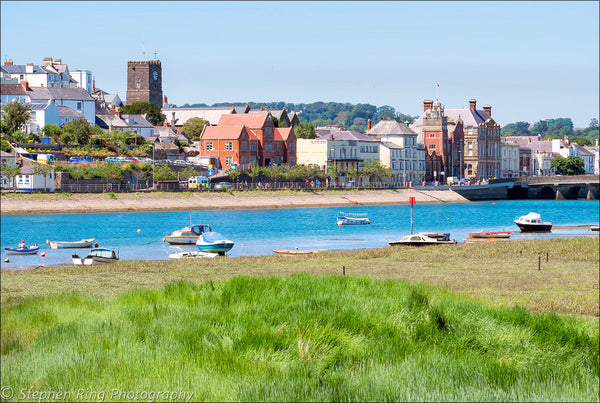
point(347, 135)
point(582, 150)
point(391, 145)
point(223, 132)
point(74, 94)
point(182, 115)
point(391, 126)
point(138, 121)
point(282, 133)
point(22, 69)
point(12, 89)
point(250, 120)
point(66, 112)
point(467, 115)
point(34, 106)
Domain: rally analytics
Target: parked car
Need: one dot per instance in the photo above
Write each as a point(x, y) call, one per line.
point(223, 186)
point(112, 159)
point(179, 162)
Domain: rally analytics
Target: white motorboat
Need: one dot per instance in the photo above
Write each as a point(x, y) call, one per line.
point(532, 222)
point(422, 239)
point(187, 235)
point(82, 261)
point(193, 255)
point(84, 243)
point(214, 242)
point(97, 255)
point(353, 219)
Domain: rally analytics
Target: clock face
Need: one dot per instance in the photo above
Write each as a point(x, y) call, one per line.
point(155, 75)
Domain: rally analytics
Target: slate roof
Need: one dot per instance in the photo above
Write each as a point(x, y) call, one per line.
point(66, 112)
point(182, 115)
point(250, 120)
point(74, 94)
point(12, 89)
point(347, 135)
point(139, 121)
point(387, 127)
point(22, 69)
point(391, 145)
point(34, 106)
point(106, 121)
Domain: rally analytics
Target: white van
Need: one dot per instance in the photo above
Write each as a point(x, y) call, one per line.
point(198, 182)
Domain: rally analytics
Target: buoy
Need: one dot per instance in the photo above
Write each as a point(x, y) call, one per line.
point(96, 245)
point(447, 219)
point(6, 260)
point(164, 239)
point(43, 254)
point(494, 203)
point(139, 230)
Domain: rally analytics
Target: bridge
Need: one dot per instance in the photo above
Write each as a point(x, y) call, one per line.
point(535, 187)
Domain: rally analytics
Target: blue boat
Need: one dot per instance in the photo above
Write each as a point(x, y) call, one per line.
point(214, 242)
point(22, 250)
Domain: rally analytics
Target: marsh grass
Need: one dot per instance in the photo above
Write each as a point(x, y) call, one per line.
point(303, 337)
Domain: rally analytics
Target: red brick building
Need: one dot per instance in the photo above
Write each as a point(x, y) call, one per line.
point(229, 145)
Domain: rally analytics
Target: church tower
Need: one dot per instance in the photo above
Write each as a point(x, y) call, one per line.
point(144, 82)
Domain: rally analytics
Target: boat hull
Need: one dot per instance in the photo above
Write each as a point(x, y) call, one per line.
point(84, 243)
point(21, 251)
point(213, 242)
point(534, 227)
point(489, 234)
point(181, 240)
point(192, 255)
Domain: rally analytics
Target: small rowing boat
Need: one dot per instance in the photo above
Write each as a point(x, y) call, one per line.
point(22, 250)
point(84, 243)
point(294, 252)
point(490, 234)
point(353, 219)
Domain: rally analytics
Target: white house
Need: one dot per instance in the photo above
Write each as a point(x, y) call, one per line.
point(29, 182)
point(509, 167)
point(75, 98)
point(83, 79)
point(123, 123)
point(8, 159)
point(41, 114)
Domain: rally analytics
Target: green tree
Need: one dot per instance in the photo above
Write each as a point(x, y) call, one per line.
point(187, 173)
point(193, 127)
point(10, 171)
point(79, 131)
point(234, 174)
point(254, 171)
point(15, 115)
point(572, 165)
point(153, 112)
point(516, 129)
point(305, 131)
point(273, 172)
point(52, 131)
point(164, 173)
point(582, 141)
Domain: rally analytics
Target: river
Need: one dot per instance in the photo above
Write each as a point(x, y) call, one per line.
point(139, 235)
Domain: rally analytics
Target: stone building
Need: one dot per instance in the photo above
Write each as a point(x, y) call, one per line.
point(144, 82)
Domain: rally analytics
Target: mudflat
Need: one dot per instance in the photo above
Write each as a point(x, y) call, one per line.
point(162, 201)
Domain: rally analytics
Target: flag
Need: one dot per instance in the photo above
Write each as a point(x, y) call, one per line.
point(437, 84)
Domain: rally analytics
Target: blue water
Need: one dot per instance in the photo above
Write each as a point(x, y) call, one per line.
point(259, 232)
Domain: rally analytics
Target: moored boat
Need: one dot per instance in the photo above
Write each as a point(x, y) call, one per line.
point(422, 239)
point(96, 255)
point(294, 252)
point(490, 234)
point(532, 222)
point(192, 254)
point(214, 242)
point(22, 249)
point(353, 219)
point(473, 240)
point(82, 261)
point(187, 235)
point(84, 243)
point(595, 228)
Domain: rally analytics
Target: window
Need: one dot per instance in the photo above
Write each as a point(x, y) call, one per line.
point(470, 148)
point(432, 146)
point(276, 147)
point(228, 160)
point(244, 146)
point(469, 130)
point(244, 161)
point(78, 105)
point(292, 147)
point(431, 135)
point(209, 146)
point(229, 146)
point(267, 147)
point(253, 146)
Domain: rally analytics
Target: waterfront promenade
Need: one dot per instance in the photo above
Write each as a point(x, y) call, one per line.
point(124, 202)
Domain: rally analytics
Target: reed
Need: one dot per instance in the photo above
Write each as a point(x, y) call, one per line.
point(303, 337)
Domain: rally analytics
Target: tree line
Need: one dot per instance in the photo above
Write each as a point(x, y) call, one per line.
point(554, 129)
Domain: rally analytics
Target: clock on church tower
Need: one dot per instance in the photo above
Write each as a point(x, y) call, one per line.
point(144, 82)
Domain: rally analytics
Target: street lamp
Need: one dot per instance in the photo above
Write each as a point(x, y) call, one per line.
point(334, 166)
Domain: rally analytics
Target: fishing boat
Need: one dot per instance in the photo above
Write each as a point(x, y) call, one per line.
point(22, 249)
point(84, 243)
point(353, 219)
point(192, 254)
point(422, 239)
point(294, 252)
point(595, 228)
point(82, 261)
point(97, 255)
point(214, 242)
point(532, 222)
point(474, 240)
point(490, 234)
point(187, 235)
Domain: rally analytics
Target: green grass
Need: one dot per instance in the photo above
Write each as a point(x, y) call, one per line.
point(303, 337)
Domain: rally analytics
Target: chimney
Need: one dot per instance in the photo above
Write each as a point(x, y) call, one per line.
point(25, 85)
point(368, 124)
point(93, 84)
point(487, 109)
point(29, 68)
point(57, 61)
point(427, 104)
point(164, 99)
point(118, 113)
point(472, 104)
point(8, 62)
point(47, 61)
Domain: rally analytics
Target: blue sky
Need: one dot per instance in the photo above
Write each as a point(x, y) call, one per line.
point(528, 60)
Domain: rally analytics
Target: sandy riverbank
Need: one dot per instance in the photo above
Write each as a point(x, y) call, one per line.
point(123, 202)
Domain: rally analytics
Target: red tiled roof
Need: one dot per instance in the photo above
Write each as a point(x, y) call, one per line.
point(222, 132)
point(250, 120)
point(282, 133)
